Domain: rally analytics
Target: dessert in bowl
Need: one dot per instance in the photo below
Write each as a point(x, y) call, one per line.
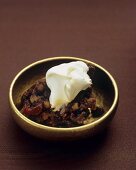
point(63, 98)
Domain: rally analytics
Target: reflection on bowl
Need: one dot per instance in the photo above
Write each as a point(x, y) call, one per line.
point(104, 87)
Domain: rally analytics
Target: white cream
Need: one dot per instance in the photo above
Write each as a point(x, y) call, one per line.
point(66, 81)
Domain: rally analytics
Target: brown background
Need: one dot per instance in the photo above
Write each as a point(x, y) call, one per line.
point(101, 31)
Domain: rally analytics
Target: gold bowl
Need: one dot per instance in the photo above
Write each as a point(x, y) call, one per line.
point(105, 88)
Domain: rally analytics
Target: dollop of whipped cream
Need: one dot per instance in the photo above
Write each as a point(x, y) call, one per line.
point(66, 81)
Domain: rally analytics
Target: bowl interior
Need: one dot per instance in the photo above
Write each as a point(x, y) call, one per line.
point(102, 84)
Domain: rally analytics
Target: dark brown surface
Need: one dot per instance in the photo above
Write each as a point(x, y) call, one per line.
point(104, 32)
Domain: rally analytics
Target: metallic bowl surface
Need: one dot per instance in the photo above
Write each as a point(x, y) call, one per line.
point(105, 88)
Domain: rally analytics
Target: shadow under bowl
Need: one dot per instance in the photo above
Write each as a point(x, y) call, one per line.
point(104, 87)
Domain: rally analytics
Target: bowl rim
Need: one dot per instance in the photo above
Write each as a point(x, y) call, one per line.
point(83, 127)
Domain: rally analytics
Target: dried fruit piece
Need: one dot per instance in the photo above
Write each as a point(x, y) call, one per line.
point(75, 106)
point(46, 104)
point(45, 115)
point(32, 110)
point(34, 98)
